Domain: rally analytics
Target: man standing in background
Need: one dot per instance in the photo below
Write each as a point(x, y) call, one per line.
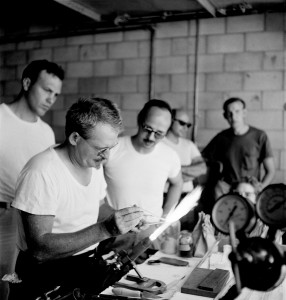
point(241, 150)
point(192, 163)
point(22, 135)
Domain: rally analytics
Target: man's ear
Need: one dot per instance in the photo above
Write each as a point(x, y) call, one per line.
point(74, 138)
point(26, 83)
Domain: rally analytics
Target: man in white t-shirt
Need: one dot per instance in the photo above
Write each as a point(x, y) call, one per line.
point(192, 163)
point(57, 196)
point(22, 135)
point(139, 167)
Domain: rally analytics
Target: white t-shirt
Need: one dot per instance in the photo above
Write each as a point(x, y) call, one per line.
point(136, 178)
point(19, 141)
point(46, 187)
point(186, 150)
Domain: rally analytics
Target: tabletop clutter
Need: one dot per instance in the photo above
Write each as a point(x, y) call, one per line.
point(182, 264)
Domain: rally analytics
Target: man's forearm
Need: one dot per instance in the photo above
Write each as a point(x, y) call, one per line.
point(172, 197)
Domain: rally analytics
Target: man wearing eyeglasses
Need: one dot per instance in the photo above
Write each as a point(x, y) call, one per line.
point(139, 167)
point(57, 196)
point(192, 163)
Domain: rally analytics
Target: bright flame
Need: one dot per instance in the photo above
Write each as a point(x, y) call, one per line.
point(186, 204)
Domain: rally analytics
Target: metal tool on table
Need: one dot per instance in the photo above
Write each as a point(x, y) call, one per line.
point(258, 263)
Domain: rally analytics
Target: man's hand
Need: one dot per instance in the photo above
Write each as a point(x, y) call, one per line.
point(124, 220)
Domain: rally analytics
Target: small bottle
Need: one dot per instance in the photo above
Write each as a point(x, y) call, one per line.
point(171, 236)
point(185, 244)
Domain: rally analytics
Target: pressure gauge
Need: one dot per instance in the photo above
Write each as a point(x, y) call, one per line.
point(236, 208)
point(271, 205)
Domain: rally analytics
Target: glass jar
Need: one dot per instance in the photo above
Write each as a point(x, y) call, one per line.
point(185, 244)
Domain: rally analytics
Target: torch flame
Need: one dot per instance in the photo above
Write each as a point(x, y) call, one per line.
point(186, 204)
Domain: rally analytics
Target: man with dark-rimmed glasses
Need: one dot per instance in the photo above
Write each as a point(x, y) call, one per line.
point(139, 167)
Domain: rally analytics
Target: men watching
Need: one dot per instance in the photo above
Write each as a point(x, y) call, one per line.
point(57, 197)
point(241, 150)
point(139, 167)
point(22, 135)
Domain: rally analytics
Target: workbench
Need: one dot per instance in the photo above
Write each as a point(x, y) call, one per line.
point(175, 277)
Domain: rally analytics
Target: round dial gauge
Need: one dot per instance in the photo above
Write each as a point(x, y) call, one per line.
point(236, 208)
point(271, 205)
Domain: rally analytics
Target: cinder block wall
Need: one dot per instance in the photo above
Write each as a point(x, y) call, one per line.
point(237, 56)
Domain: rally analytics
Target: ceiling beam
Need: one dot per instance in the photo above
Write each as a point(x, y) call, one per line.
point(82, 9)
point(208, 6)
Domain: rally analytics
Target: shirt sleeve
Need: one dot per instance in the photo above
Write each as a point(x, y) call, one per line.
point(34, 192)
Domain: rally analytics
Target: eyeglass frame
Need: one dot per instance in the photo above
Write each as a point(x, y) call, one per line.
point(157, 134)
point(183, 123)
point(100, 151)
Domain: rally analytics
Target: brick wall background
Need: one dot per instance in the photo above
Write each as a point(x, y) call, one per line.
point(237, 56)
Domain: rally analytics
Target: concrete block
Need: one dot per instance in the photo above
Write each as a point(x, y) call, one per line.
point(134, 35)
point(225, 43)
point(29, 45)
point(143, 83)
point(123, 50)
point(137, 66)
point(176, 100)
point(266, 120)
point(59, 118)
point(57, 42)
point(215, 120)
point(246, 61)
point(171, 65)
point(7, 47)
point(122, 84)
point(274, 60)
point(134, 101)
point(274, 21)
point(129, 118)
point(161, 83)
point(70, 86)
point(116, 98)
point(184, 46)
point(59, 104)
point(15, 58)
point(210, 100)
point(144, 49)
point(210, 63)
point(108, 68)
point(254, 81)
point(253, 99)
point(185, 82)
point(79, 69)
point(212, 26)
point(283, 158)
point(45, 53)
point(92, 85)
point(205, 135)
point(248, 23)
point(264, 41)
point(71, 99)
point(7, 73)
point(224, 82)
point(80, 40)
point(162, 47)
point(66, 54)
point(273, 100)
point(12, 88)
point(93, 52)
point(109, 37)
point(276, 140)
point(171, 29)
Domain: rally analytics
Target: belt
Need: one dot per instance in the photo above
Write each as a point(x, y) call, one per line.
point(5, 205)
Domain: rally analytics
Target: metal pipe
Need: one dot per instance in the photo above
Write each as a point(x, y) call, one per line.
point(195, 106)
point(151, 64)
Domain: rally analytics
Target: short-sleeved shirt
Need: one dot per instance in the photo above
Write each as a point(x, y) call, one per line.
point(137, 178)
point(46, 187)
point(241, 155)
